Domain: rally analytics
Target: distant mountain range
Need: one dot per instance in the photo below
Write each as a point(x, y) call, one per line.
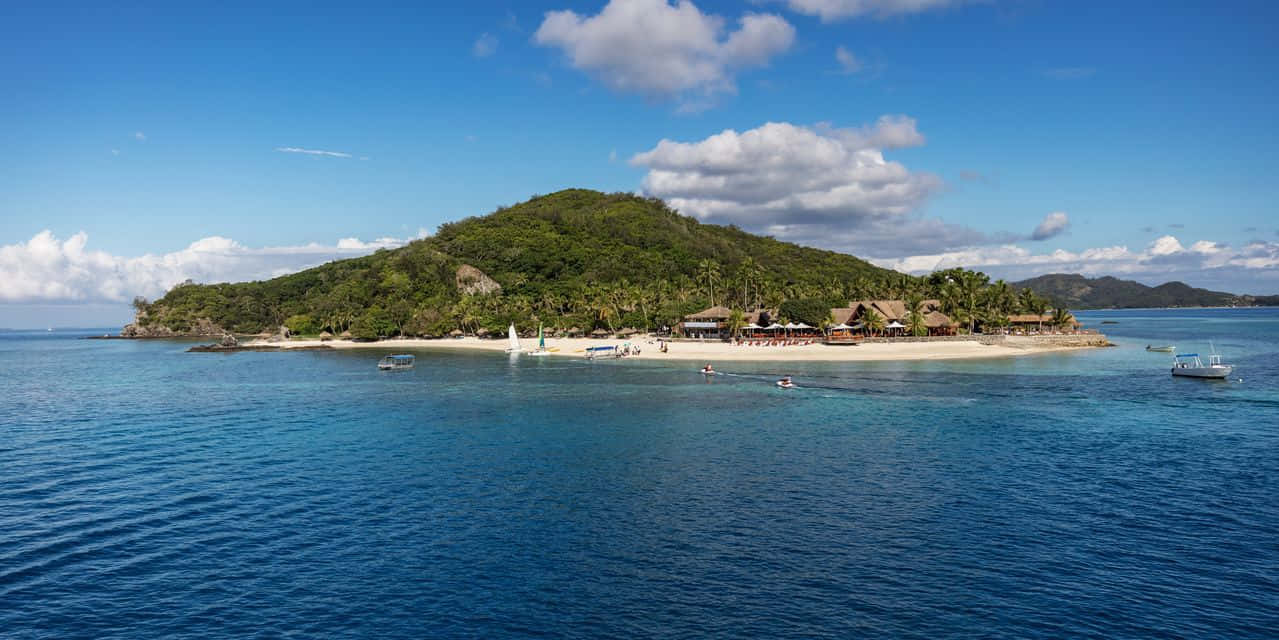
point(1077, 292)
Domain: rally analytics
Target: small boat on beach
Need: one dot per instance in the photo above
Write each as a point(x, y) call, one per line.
point(512, 340)
point(395, 362)
point(1160, 348)
point(596, 353)
point(541, 344)
point(1190, 366)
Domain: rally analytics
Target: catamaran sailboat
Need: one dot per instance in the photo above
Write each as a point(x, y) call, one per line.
point(513, 340)
point(541, 344)
point(1189, 365)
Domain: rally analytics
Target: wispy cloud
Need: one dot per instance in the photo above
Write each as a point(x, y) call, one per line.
point(485, 45)
point(139, 136)
point(848, 63)
point(1070, 73)
point(313, 152)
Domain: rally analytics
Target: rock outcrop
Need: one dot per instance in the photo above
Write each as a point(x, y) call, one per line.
point(138, 329)
point(472, 281)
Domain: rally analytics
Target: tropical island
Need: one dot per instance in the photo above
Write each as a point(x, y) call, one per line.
point(1078, 292)
point(580, 263)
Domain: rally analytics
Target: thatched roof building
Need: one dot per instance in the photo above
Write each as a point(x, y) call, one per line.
point(717, 313)
point(1030, 319)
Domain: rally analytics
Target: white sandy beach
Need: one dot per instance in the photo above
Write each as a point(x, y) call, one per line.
point(721, 351)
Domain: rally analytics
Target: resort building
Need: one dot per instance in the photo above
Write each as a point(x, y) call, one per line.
point(708, 323)
point(1032, 322)
point(712, 323)
point(896, 317)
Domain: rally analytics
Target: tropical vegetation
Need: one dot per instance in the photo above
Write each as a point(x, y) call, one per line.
point(573, 259)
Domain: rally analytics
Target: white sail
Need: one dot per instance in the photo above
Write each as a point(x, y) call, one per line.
point(512, 339)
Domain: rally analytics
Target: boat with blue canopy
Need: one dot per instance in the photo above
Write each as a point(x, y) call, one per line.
point(595, 353)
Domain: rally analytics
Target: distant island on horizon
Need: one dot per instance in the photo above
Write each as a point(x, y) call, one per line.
point(1078, 292)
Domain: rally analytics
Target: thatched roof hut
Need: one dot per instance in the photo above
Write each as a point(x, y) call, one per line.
point(938, 320)
point(1032, 319)
point(628, 331)
point(456, 332)
point(600, 333)
point(482, 332)
point(713, 314)
point(575, 331)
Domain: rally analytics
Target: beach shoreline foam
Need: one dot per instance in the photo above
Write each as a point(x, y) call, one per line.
point(723, 351)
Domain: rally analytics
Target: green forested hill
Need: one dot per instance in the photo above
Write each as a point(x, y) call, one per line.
point(573, 258)
point(1078, 292)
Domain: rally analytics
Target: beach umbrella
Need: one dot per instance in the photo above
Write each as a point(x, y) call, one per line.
point(895, 325)
point(790, 325)
point(752, 325)
point(774, 327)
point(802, 326)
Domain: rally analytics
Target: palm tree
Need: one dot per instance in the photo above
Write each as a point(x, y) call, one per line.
point(708, 272)
point(774, 299)
point(963, 295)
point(1038, 306)
point(736, 321)
point(1061, 317)
point(748, 273)
point(828, 322)
point(1003, 300)
point(872, 320)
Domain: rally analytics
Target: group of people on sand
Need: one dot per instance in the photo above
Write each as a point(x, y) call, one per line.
point(784, 382)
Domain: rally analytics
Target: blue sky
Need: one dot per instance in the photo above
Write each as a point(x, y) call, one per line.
point(151, 128)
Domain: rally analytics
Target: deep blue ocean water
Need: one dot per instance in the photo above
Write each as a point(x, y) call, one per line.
point(150, 493)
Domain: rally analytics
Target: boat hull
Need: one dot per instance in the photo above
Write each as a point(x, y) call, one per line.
point(1202, 372)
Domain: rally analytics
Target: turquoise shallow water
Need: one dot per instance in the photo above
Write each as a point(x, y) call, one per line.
point(150, 493)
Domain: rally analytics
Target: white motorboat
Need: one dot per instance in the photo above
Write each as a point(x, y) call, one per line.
point(785, 383)
point(1190, 366)
point(395, 362)
point(1160, 348)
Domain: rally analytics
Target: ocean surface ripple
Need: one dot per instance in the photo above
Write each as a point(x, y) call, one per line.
point(150, 493)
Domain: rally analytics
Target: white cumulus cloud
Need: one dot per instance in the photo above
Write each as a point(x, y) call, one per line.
point(818, 185)
point(1053, 224)
point(1253, 268)
point(833, 10)
point(47, 269)
point(663, 50)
